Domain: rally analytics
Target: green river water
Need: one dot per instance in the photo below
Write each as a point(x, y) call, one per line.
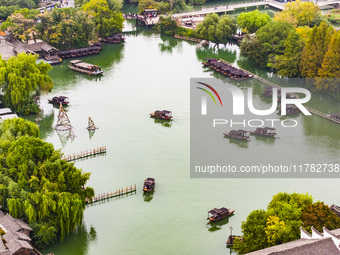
point(152, 72)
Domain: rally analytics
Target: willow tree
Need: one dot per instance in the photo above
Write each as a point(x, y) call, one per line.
point(252, 21)
point(22, 76)
point(37, 186)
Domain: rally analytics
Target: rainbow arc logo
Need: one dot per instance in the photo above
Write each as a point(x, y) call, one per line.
point(204, 99)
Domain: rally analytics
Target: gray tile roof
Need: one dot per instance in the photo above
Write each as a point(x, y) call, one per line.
point(306, 246)
point(15, 245)
point(2, 246)
point(336, 209)
point(10, 224)
point(15, 235)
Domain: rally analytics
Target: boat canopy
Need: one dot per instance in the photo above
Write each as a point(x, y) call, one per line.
point(219, 211)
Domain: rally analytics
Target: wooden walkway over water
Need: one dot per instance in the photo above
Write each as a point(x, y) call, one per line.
point(311, 110)
point(85, 154)
point(112, 194)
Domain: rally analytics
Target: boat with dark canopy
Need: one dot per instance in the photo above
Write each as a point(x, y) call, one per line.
point(149, 185)
point(267, 131)
point(164, 115)
point(59, 100)
point(292, 109)
point(238, 134)
point(83, 67)
point(219, 214)
point(114, 38)
point(226, 69)
point(91, 50)
point(268, 91)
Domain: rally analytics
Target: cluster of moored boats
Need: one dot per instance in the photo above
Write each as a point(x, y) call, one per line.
point(243, 134)
point(94, 49)
point(84, 67)
point(226, 69)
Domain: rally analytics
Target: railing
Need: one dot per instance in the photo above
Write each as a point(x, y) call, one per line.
point(85, 154)
point(112, 194)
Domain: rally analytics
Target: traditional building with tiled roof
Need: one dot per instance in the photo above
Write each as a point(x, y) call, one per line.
point(326, 243)
point(16, 240)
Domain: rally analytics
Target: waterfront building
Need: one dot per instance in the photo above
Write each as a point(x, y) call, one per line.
point(317, 243)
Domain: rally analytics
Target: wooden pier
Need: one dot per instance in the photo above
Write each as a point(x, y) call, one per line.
point(85, 154)
point(311, 110)
point(112, 194)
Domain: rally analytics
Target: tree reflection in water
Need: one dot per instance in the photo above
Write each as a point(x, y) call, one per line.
point(76, 243)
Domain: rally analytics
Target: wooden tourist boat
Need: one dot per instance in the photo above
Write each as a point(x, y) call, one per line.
point(219, 214)
point(267, 131)
point(149, 185)
point(238, 134)
point(226, 69)
point(83, 67)
point(80, 52)
point(59, 100)
point(335, 116)
point(268, 91)
point(114, 38)
point(292, 109)
point(164, 115)
point(208, 61)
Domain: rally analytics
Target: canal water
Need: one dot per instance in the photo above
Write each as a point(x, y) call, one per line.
point(147, 73)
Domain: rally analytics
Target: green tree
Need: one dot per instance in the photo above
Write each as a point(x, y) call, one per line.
point(252, 21)
point(268, 44)
point(329, 71)
point(216, 29)
point(167, 26)
point(253, 50)
point(299, 13)
point(280, 223)
point(37, 185)
point(288, 64)
point(315, 50)
point(146, 4)
point(22, 76)
point(106, 20)
point(21, 24)
point(319, 215)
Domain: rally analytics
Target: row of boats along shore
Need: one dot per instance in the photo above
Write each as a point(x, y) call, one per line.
point(226, 69)
point(83, 67)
